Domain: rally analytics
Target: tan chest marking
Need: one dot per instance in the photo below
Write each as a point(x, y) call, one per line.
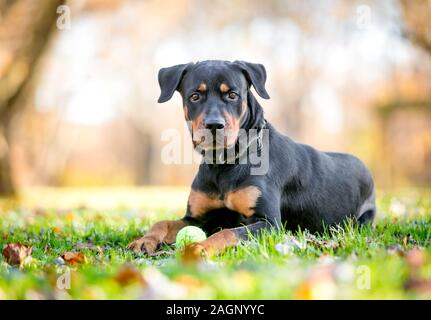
point(242, 201)
point(201, 202)
point(197, 124)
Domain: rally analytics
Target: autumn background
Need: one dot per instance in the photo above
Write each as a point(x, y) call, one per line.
point(80, 126)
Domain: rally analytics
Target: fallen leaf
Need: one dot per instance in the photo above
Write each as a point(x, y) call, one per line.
point(319, 284)
point(419, 285)
point(70, 217)
point(56, 230)
point(415, 258)
point(303, 291)
point(129, 274)
point(15, 253)
point(74, 258)
point(40, 212)
point(188, 281)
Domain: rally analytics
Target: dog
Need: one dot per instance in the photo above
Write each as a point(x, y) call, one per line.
point(302, 188)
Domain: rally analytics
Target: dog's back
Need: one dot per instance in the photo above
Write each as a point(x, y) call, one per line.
point(322, 188)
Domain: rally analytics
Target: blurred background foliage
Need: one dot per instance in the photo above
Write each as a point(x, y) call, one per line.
point(78, 105)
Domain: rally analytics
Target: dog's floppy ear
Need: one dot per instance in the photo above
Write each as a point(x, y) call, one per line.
point(169, 79)
point(256, 75)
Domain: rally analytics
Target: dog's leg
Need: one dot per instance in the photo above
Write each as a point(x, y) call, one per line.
point(161, 232)
point(224, 239)
point(266, 214)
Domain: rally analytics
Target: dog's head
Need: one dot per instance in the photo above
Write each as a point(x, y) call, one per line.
point(214, 97)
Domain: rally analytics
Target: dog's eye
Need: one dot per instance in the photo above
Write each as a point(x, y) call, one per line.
point(195, 97)
point(232, 95)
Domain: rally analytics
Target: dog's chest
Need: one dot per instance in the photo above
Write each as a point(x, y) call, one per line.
point(242, 200)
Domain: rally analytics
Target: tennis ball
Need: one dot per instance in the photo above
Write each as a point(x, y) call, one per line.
point(189, 235)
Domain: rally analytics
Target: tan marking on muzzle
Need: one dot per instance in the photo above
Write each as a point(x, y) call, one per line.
point(197, 126)
point(198, 122)
point(243, 200)
point(232, 127)
point(200, 203)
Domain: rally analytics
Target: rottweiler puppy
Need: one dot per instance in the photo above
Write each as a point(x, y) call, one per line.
point(300, 186)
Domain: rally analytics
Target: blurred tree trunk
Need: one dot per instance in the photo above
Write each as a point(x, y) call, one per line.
point(25, 26)
point(417, 15)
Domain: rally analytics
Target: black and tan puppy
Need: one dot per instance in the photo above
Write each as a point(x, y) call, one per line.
point(302, 187)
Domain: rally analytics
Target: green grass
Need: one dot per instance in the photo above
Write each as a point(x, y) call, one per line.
point(369, 263)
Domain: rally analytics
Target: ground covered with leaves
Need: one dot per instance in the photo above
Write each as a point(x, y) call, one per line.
point(71, 244)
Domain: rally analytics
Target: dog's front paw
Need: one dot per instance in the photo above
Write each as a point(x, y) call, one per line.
point(146, 245)
point(193, 253)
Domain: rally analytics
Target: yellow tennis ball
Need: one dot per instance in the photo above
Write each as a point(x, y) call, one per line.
point(188, 235)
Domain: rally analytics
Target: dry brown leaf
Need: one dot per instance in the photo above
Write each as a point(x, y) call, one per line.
point(40, 212)
point(56, 230)
point(419, 285)
point(129, 274)
point(74, 258)
point(188, 281)
point(15, 253)
point(319, 284)
point(415, 258)
point(303, 291)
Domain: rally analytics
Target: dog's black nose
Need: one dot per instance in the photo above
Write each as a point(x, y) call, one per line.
point(215, 124)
